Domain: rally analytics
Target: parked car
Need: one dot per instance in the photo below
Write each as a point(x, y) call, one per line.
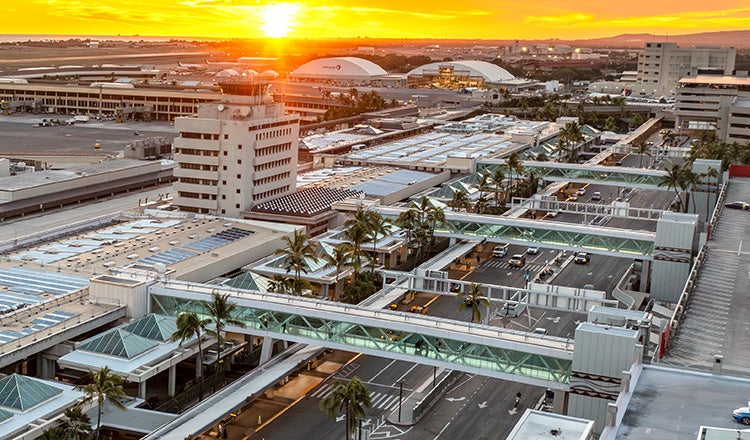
point(554, 213)
point(500, 250)
point(581, 191)
point(517, 260)
point(418, 309)
point(393, 306)
point(596, 196)
point(742, 415)
point(540, 331)
point(573, 197)
point(532, 250)
point(739, 205)
point(581, 258)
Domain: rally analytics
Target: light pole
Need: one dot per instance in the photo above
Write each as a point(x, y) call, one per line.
point(400, 398)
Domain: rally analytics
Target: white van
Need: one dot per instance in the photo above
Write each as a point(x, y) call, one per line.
point(500, 250)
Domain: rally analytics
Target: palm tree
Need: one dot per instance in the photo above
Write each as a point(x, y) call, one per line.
point(55, 433)
point(674, 180)
point(351, 398)
point(377, 226)
point(480, 206)
point(573, 134)
point(513, 163)
point(474, 299)
point(429, 217)
point(189, 325)
point(76, 425)
point(357, 234)
point(711, 173)
point(339, 258)
point(297, 253)
point(642, 149)
point(459, 201)
point(281, 284)
point(220, 310)
point(104, 388)
point(498, 177)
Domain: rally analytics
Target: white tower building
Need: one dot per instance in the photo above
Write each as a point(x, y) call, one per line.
point(236, 153)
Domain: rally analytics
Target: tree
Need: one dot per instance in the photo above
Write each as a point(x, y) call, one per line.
point(339, 258)
point(513, 162)
point(104, 388)
point(220, 310)
point(572, 133)
point(498, 177)
point(75, 425)
point(351, 398)
point(296, 254)
point(189, 325)
point(674, 180)
point(377, 226)
point(459, 201)
point(642, 149)
point(711, 173)
point(474, 299)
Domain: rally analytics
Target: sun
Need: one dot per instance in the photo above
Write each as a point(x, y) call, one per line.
point(278, 19)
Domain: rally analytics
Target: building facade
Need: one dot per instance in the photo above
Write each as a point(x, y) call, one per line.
point(234, 155)
point(662, 65)
point(716, 103)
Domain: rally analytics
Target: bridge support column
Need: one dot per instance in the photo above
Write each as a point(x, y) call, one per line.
point(673, 255)
point(595, 383)
point(267, 350)
point(171, 385)
point(142, 389)
point(645, 276)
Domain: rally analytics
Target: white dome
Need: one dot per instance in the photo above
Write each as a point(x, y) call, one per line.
point(341, 67)
point(269, 74)
point(490, 72)
point(227, 73)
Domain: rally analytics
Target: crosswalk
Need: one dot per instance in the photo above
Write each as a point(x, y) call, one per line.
point(382, 401)
point(503, 264)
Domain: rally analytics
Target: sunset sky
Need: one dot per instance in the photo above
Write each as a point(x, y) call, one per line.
point(488, 19)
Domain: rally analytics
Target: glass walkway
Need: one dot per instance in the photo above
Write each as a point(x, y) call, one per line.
point(557, 235)
point(585, 173)
point(490, 351)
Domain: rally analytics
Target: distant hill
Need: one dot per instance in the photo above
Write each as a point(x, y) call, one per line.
point(738, 39)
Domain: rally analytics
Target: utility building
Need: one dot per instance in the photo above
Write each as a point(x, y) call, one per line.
point(236, 153)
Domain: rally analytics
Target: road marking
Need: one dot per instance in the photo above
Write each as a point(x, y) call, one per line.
point(482, 405)
point(382, 371)
point(442, 430)
point(455, 399)
point(404, 375)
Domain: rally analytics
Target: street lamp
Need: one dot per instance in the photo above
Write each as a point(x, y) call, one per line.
point(400, 398)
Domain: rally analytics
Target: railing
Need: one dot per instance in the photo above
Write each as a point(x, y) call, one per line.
point(182, 401)
point(694, 271)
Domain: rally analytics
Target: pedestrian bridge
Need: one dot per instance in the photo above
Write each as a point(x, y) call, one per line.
point(556, 235)
point(490, 351)
point(587, 173)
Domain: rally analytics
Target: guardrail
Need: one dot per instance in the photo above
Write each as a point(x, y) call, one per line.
point(38, 237)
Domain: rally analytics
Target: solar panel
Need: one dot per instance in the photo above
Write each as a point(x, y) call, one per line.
point(168, 257)
point(217, 240)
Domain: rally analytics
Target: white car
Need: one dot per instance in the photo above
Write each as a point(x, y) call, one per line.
point(532, 250)
point(581, 191)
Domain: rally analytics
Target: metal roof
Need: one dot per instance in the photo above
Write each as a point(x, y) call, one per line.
point(222, 238)
point(154, 327)
point(118, 343)
point(23, 392)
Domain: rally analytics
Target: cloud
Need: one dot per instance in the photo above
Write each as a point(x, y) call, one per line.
point(560, 20)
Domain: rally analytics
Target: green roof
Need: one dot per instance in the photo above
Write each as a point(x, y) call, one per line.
point(249, 281)
point(118, 343)
point(21, 392)
point(154, 327)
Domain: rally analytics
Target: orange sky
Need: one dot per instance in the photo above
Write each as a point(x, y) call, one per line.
point(487, 19)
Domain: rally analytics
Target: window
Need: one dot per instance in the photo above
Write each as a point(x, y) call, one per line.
point(237, 205)
point(239, 147)
point(239, 176)
point(225, 153)
point(223, 197)
point(223, 211)
point(239, 161)
point(238, 190)
point(226, 136)
point(224, 167)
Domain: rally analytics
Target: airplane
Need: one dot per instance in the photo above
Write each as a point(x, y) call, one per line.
point(183, 67)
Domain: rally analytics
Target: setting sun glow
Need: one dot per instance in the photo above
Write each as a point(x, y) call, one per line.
point(278, 19)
